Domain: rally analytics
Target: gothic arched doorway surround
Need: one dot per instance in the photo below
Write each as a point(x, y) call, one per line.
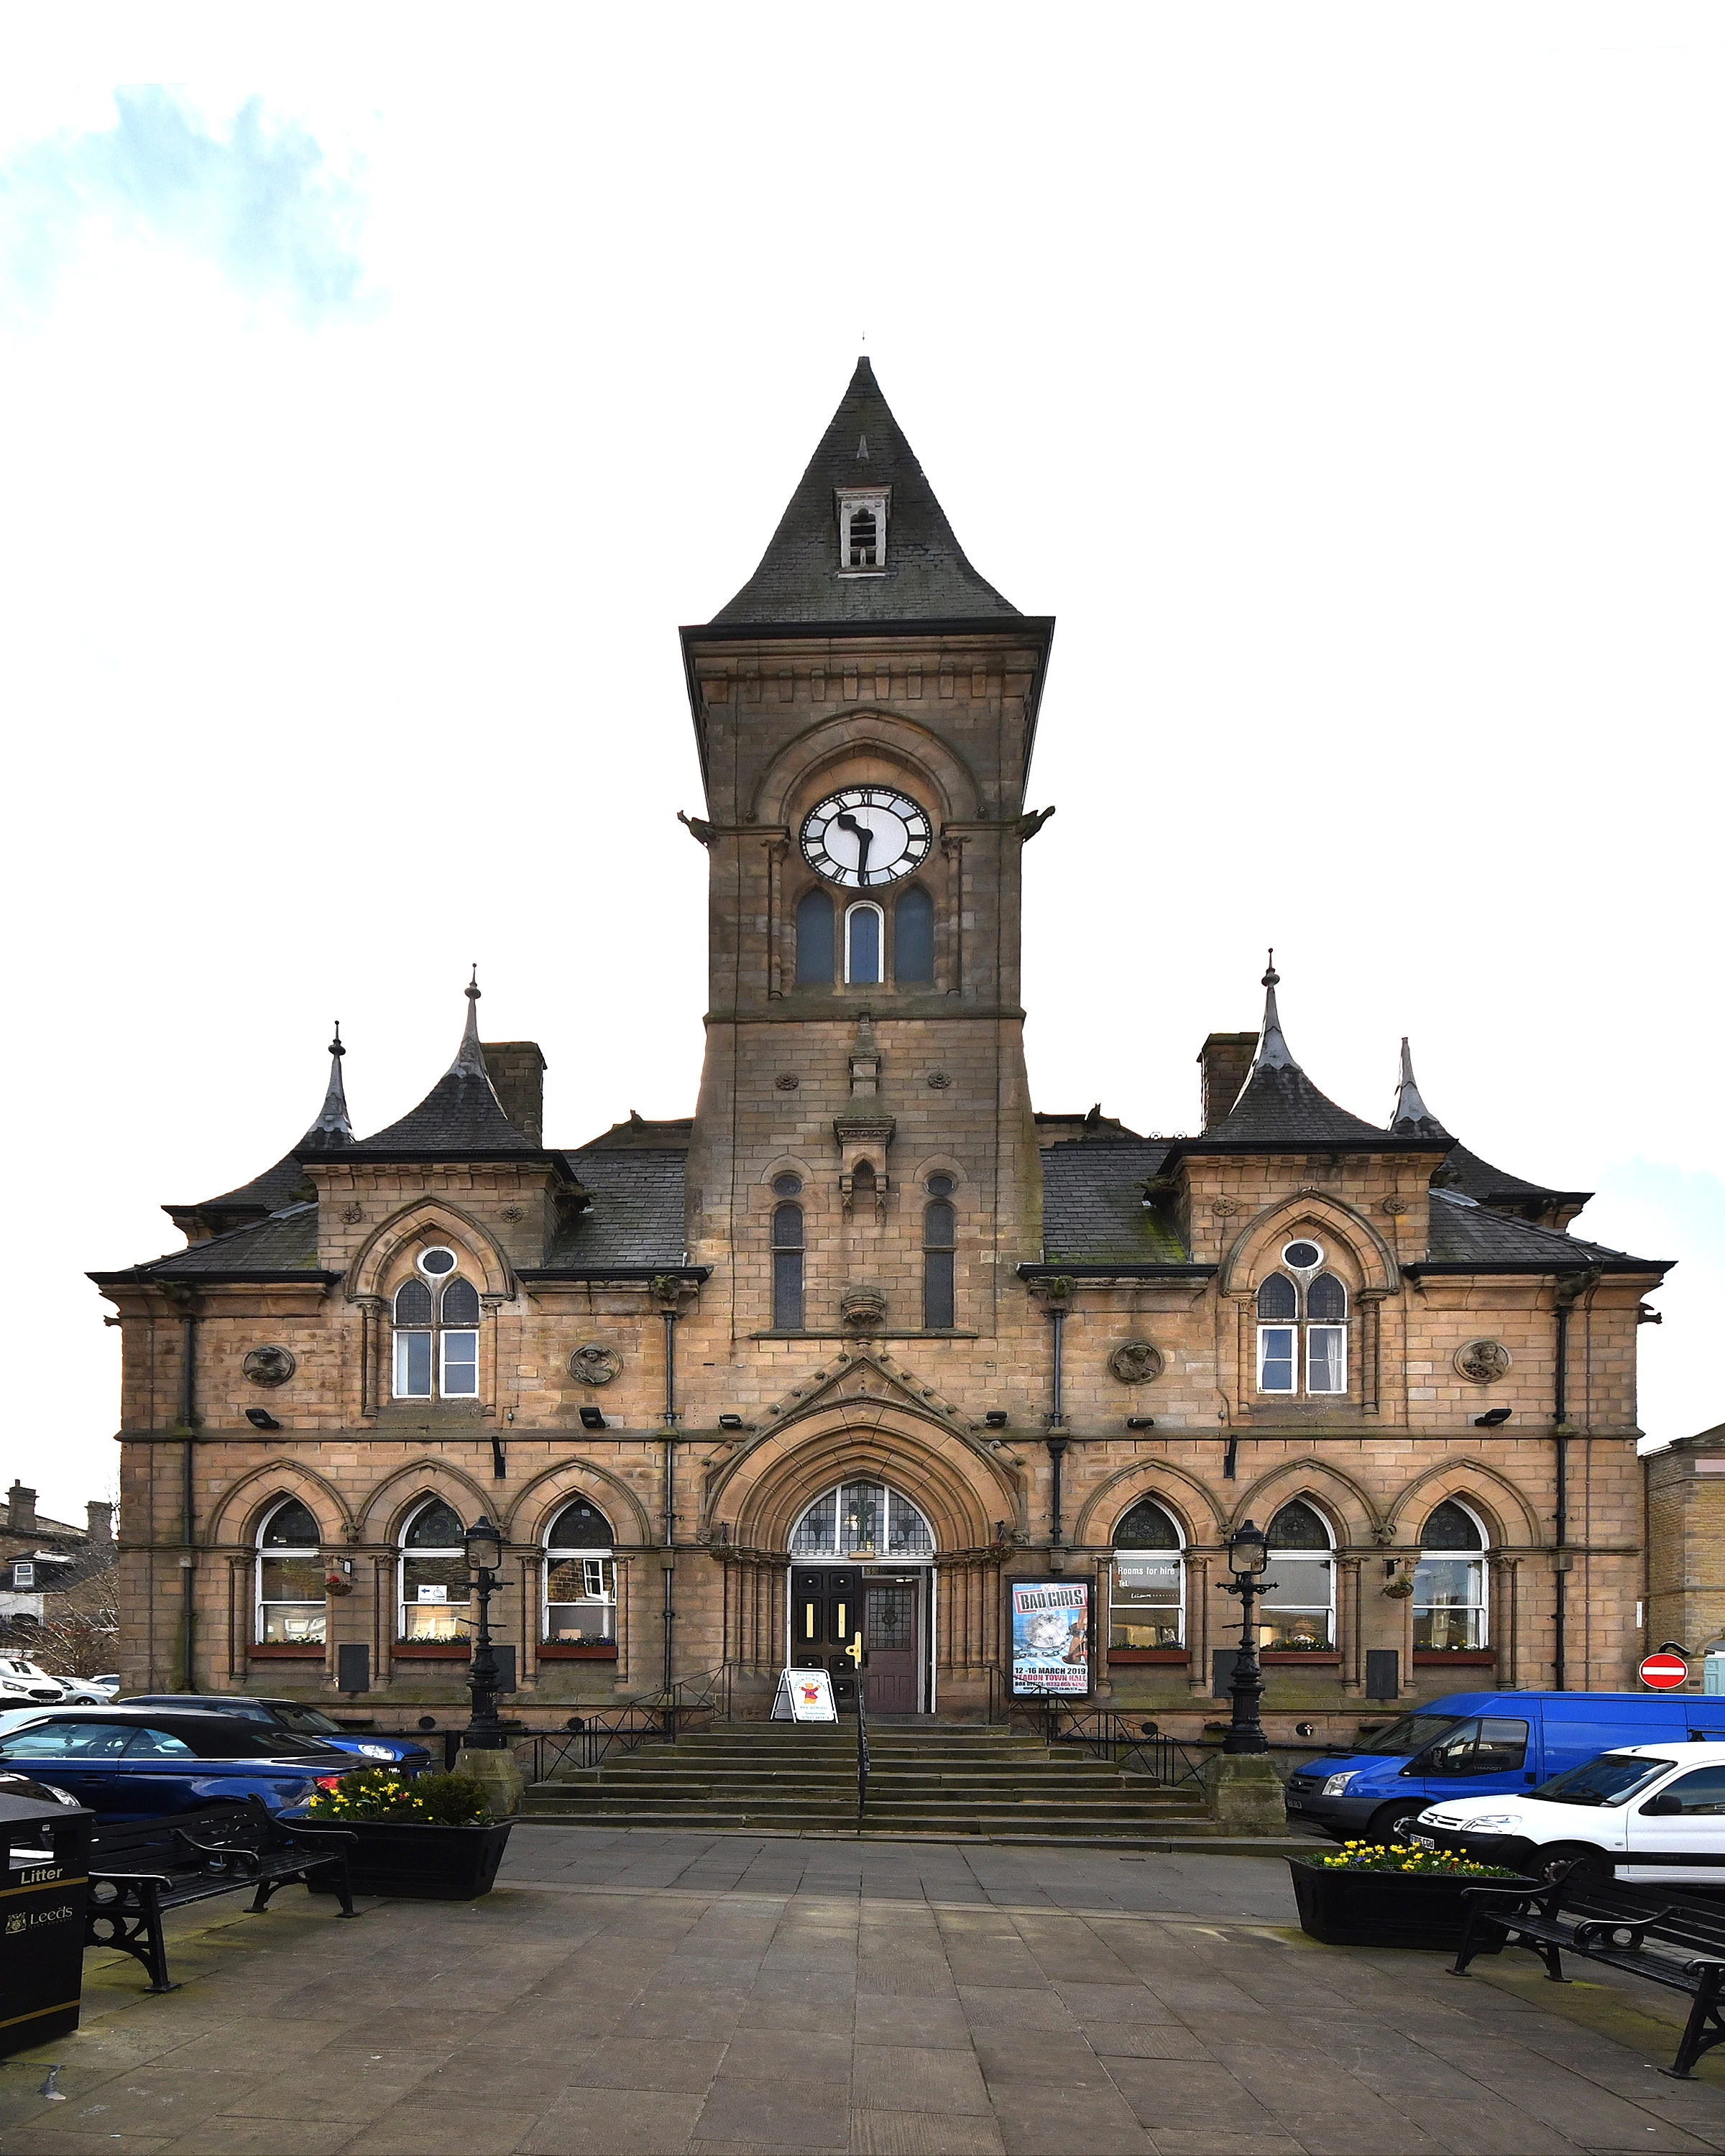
point(863, 1581)
point(966, 1502)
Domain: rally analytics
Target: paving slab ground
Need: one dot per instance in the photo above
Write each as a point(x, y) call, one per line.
point(686, 1994)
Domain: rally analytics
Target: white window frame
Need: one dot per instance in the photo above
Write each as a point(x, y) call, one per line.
point(835, 1553)
point(261, 1557)
point(24, 1574)
point(1326, 1555)
point(445, 1335)
point(1292, 1327)
point(867, 905)
point(1477, 1559)
point(436, 1336)
point(598, 1579)
point(1328, 1328)
point(404, 1557)
point(877, 501)
point(1175, 1555)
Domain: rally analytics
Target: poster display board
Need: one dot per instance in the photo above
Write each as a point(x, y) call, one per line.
point(1050, 1638)
point(803, 1696)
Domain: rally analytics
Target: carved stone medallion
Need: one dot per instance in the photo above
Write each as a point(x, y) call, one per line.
point(786, 1082)
point(1483, 1362)
point(594, 1364)
point(352, 1214)
point(940, 1080)
point(1224, 1207)
point(1395, 1205)
point(1136, 1363)
point(269, 1366)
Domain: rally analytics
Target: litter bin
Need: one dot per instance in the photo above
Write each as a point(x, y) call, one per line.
point(42, 1920)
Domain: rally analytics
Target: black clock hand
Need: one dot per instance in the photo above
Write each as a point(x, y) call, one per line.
point(864, 838)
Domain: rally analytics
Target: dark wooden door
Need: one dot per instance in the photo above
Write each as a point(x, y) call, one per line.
point(890, 1641)
point(826, 1616)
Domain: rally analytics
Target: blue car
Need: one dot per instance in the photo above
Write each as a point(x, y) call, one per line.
point(1484, 1744)
point(292, 1714)
point(135, 1763)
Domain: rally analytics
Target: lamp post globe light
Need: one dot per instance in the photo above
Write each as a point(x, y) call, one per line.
point(484, 1731)
point(1247, 1554)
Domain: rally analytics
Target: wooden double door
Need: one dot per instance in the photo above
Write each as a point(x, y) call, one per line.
point(831, 1604)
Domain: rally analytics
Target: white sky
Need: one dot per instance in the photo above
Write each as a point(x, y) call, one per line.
point(383, 393)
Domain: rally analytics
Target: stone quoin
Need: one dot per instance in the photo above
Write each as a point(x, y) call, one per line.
point(803, 1351)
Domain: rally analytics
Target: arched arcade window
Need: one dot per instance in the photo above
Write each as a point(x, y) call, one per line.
point(913, 937)
point(864, 927)
point(1300, 1609)
point(862, 1520)
point(1147, 1594)
point(814, 939)
point(433, 1575)
point(940, 1237)
point(580, 1577)
point(289, 1595)
point(436, 1319)
point(787, 1255)
point(1449, 1579)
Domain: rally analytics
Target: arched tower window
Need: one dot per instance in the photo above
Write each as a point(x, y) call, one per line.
point(436, 1320)
point(814, 939)
point(913, 937)
point(787, 1255)
point(940, 1238)
point(580, 1577)
point(1309, 1356)
point(1300, 1609)
point(1450, 1580)
point(1147, 1597)
point(433, 1575)
point(290, 1578)
point(864, 924)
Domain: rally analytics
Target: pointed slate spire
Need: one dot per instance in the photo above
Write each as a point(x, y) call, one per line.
point(1412, 1118)
point(332, 1127)
point(924, 576)
point(1279, 1104)
point(461, 1117)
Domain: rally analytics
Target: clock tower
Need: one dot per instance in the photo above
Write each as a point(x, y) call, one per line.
point(865, 710)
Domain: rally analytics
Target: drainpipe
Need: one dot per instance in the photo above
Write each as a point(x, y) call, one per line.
point(188, 1486)
point(667, 1290)
point(1569, 1290)
point(1056, 1444)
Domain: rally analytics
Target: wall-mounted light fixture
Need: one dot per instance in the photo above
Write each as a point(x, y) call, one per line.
point(261, 1418)
point(591, 1418)
point(731, 1422)
point(1493, 1418)
point(996, 1418)
point(1141, 1422)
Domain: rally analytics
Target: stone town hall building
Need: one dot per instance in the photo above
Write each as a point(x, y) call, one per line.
point(867, 1336)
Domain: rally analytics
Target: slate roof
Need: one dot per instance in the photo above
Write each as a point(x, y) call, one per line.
point(634, 1217)
point(275, 1187)
point(1478, 1179)
point(284, 1244)
point(1093, 1208)
point(460, 1118)
point(926, 578)
point(1464, 1233)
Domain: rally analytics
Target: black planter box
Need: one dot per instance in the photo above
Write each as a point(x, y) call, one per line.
point(47, 1884)
point(1346, 1908)
point(423, 1863)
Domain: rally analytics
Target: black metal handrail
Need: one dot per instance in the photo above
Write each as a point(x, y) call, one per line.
point(1129, 1740)
point(862, 1754)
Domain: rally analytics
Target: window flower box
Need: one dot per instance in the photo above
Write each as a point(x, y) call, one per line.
point(1167, 1657)
point(1466, 1658)
point(578, 1651)
point(283, 1650)
point(432, 1650)
point(1300, 1657)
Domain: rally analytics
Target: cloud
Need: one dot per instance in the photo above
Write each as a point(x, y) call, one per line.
point(262, 200)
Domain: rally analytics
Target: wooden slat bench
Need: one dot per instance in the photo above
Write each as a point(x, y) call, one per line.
point(138, 1868)
point(1676, 1944)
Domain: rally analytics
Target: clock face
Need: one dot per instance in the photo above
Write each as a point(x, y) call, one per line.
point(865, 836)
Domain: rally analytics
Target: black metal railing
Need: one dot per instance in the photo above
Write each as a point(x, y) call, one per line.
point(1128, 1740)
point(588, 1740)
point(862, 1754)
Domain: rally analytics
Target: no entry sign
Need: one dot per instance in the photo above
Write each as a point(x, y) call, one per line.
point(1665, 1672)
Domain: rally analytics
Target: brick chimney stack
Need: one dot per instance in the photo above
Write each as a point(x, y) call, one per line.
point(1224, 1059)
point(101, 1521)
point(21, 1509)
point(517, 1070)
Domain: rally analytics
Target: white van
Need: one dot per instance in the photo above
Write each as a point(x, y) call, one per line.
point(1645, 1812)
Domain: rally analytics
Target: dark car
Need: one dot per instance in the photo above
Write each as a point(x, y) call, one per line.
point(403, 1752)
point(131, 1762)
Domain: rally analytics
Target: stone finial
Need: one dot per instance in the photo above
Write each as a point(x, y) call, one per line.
point(1412, 1118)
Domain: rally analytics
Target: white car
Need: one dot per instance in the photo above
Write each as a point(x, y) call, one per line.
point(1646, 1812)
point(21, 1681)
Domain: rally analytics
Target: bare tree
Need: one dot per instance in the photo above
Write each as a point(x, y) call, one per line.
point(80, 1629)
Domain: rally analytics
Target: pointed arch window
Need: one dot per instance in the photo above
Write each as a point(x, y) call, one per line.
point(1302, 1334)
point(1300, 1609)
point(580, 1578)
point(864, 927)
point(814, 939)
point(1148, 1594)
point(1450, 1607)
point(913, 938)
point(433, 1575)
point(787, 1255)
point(290, 1589)
point(940, 1238)
point(436, 1335)
point(863, 1520)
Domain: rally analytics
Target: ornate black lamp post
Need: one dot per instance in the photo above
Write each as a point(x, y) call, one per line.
point(1248, 1553)
point(485, 1732)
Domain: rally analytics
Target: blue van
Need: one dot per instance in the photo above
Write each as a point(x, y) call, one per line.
point(1479, 1743)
